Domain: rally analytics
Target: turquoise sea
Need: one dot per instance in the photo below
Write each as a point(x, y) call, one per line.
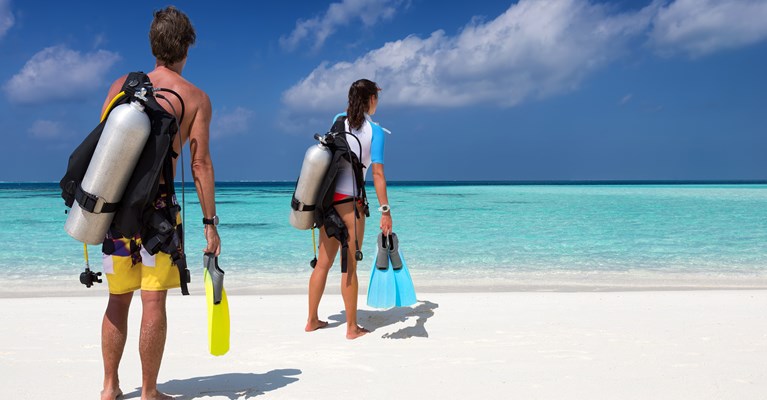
point(455, 236)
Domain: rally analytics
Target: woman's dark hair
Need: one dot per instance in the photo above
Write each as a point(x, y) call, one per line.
point(170, 35)
point(359, 101)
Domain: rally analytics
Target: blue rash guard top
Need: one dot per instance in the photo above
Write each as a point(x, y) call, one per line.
point(371, 137)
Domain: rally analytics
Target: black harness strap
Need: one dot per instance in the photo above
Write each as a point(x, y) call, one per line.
point(299, 206)
point(92, 203)
point(176, 249)
point(335, 228)
point(173, 241)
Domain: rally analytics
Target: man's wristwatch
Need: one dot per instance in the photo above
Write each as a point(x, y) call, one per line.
point(210, 221)
point(384, 208)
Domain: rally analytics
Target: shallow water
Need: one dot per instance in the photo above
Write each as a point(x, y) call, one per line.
point(449, 233)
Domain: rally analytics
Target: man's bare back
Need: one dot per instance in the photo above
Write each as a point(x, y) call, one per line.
point(197, 107)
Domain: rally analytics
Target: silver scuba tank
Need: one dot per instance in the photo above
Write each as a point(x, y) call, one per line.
point(117, 152)
point(316, 163)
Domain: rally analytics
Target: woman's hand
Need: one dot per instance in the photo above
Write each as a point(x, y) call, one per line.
point(386, 223)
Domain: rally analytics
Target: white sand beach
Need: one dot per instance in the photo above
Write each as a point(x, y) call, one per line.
point(700, 344)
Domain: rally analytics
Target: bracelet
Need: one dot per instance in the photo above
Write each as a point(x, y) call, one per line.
point(384, 208)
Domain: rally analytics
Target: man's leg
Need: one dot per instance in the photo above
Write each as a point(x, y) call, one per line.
point(114, 332)
point(154, 328)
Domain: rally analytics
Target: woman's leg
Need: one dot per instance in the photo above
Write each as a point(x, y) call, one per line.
point(327, 253)
point(349, 283)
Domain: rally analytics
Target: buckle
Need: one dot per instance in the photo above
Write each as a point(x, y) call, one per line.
point(92, 203)
point(89, 202)
point(299, 206)
point(99, 205)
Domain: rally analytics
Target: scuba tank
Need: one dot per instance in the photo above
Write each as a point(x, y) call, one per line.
point(315, 166)
point(117, 152)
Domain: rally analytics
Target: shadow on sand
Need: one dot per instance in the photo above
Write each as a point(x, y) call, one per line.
point(233, 386)
point(376, 319)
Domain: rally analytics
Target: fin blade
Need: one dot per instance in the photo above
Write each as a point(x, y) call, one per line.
point(404, 285)
point(218, 319)
point(381, 289)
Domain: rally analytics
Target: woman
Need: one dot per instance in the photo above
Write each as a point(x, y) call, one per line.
point(363, 101)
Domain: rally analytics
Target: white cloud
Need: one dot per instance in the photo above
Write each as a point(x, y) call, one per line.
point(59, 73)
point(44, 129)
point(535, 49)
point(318, 29)
point(6, 17)
point(700, 27)
point(99, 40)
point(228, 123)
point(625, 99)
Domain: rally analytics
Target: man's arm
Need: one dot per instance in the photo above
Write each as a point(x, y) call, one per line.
point(202, 170)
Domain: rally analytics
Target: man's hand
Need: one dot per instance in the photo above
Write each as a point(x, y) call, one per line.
point(214, 242)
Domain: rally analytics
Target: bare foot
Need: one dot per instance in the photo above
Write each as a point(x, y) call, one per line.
point(356, 332)
point(111, 394)
point(156, 395)
point(313, 326)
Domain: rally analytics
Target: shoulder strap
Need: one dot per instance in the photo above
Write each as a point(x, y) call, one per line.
point(134, 81)
point(339, 125)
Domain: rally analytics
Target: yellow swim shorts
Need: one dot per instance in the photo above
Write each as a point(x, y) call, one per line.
point(130, 268)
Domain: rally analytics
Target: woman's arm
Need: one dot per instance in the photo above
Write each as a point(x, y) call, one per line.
point(379, 180)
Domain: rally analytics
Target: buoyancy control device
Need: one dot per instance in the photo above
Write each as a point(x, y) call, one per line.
point(113, 177)
point(312, 205)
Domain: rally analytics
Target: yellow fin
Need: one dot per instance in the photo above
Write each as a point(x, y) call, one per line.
point(218, 320)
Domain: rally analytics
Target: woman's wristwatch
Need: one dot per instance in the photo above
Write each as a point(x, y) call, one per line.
point(384, 208)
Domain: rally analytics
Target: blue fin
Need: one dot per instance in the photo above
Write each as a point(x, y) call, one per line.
point(382, 292)
point(404, 285)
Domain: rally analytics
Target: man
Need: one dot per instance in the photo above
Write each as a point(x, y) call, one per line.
point(171, 34)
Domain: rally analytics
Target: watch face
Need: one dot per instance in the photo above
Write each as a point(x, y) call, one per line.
point(215, 220)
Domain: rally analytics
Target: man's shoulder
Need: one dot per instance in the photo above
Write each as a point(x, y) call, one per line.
point(196, 96)
point(188, 90)
point(188, 86)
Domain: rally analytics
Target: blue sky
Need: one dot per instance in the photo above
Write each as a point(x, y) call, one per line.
point(528, 90)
